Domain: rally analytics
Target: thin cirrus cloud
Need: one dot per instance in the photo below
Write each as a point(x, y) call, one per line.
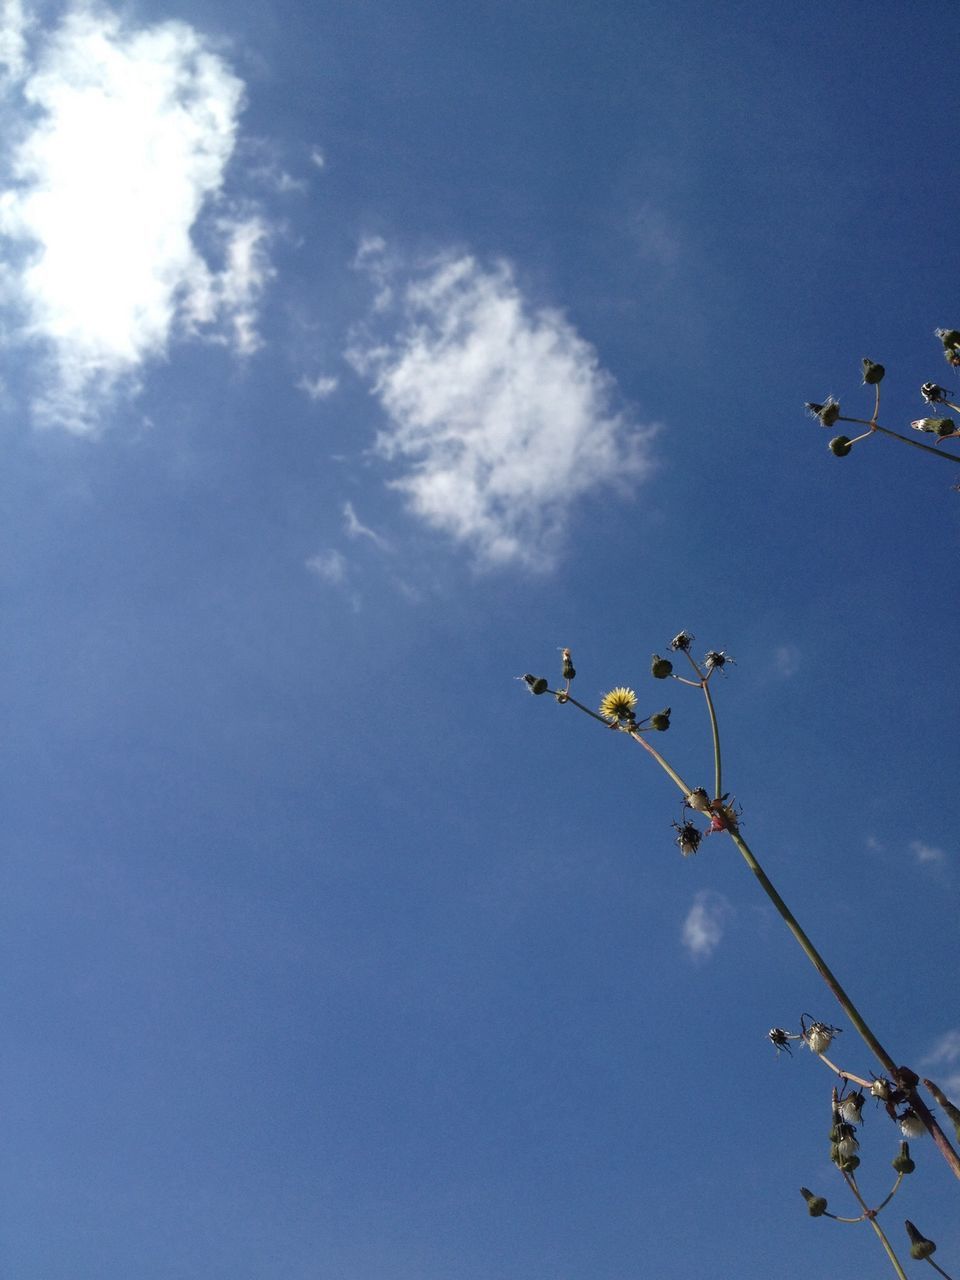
point(499, 416)
point(944, 1058)
point(118, 144)
point(704, 925)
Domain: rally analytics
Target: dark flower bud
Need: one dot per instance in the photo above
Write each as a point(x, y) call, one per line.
point(660, 667)
point(661, 720)
point(952, 1111)
point(920, 1246)
point(828, 412)
point(569, 671)
point(872, 373)
point(902, 1162)
point(682, 641)
point(816, 1205)
point(536, 684)
point(840, 446)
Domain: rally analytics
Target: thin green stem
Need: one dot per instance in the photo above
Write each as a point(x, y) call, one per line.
point(940, 1269)
point(851, 1010)
point(637, 736)
point(715, 730)
point(869, 1215)
point(915, 444)
point(893, 1191)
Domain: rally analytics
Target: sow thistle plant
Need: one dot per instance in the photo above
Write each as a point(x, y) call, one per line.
point(936, 424)
point(712, 811)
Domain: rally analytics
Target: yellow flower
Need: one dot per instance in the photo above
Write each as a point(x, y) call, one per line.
point(618, 704)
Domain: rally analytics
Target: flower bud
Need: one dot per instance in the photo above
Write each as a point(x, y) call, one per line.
point(816, 1205)
point(569, 671)
point(872, 373)
point(536, 684)
point(952, 1111)
point(660, 668)
point(902, 1162)
point(949, 337)
point(698, 800)
point(935, 426)
point(840, 446)
point(682, 641)
point(828, 412)
point(920, 1246)
point(661, 720)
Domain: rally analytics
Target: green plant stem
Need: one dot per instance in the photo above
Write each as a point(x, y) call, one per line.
point(869, 1214)
point(849, 1008)
point(636, 735)
point(893, 1191)
point(915, 444)
point(717, 787)
point(936, 1268)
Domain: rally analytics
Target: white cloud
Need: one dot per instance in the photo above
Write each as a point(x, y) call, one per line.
point(926, 852)
point(945, 1056)
point(357, 530)
point(703, 927)
point(329, 566)
point(125, 143)
point(499, 416)
point(13, 44)
point(318, 388)
point(318, 158)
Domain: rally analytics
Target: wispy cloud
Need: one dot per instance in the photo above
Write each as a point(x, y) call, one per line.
point(355, 529)
point(926, 853)
point(786, 660)
point(703, 928)
point(318, 388)
point(945, 1057)
point(122, 147)
point(499, 416)
point(329, 566)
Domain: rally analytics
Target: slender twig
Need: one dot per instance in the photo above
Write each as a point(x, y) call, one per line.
point(845, 1075)
point(940, 1269)
point(916, 444)
point(893, 1191)
point(869, 1215)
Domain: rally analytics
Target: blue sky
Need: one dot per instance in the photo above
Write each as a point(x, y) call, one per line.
point(355, 358)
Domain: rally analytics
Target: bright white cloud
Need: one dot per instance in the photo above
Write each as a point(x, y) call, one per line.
point(499, 416)
point(926, 852)
point(329, 566)
point(703, 927)
point(126, 142)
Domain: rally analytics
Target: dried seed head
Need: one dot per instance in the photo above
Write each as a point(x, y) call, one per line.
point(569, 671)
point(911, 1126)
point(682, 641)
point(850, 1108)
point(688, 838)
point(698, 800)
point(932, 393)
point(935, 426)
point(717, 658)
point(880, 1089)
point(828, 412)
point(819, 1037)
